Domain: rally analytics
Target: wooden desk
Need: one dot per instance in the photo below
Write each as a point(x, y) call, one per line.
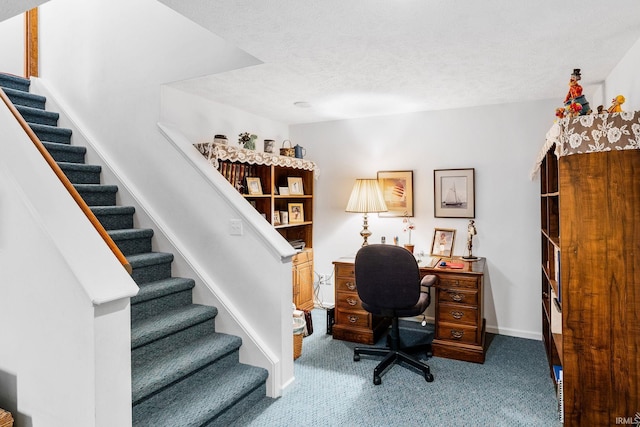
point(458, 301)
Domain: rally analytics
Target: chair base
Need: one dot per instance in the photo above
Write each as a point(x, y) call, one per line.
point(391, 357)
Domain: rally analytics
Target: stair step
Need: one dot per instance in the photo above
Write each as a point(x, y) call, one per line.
point(38, 116)
point(170, 323)
point(150, 376)
point(80, 173)
point(197, 402)
point(97, 195)
point(150, 267)
point(114, 217)
point(161, 296)
point(132, 241)
point(65, 152)
point(27, 99)
point(14, 82)
point(52, 133)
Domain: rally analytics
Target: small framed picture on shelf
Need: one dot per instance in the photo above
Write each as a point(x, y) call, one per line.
point(284, 191)
point(284, 217)
point(254, 187)
point(442, 243)
point(295, 186)
point(276, 218)
point(296, 213)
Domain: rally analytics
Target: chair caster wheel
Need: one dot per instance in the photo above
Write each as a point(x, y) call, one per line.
point(428, 377)
point(377, 380)
point(356, 357)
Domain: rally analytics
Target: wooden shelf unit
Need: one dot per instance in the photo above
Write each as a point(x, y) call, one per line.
point(237, 164)
point(590, 229)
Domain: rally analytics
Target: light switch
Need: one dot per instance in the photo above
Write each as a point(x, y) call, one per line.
point(235, 227)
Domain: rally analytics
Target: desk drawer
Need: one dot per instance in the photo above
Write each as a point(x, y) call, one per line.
point(460, 296)
point(345, 284)
point(457, 281)
point(459, 314)
point(348, 301)
point(458, 333)
point(353, 318)
point(345, 270)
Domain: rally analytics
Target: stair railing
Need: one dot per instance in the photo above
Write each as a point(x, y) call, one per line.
point(67, 184)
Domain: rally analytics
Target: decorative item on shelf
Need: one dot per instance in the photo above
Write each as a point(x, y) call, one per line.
point(287, 151)
point(471, 231)
point(366, 197)
point(408, 226)
point(220, 139)
point(247, 140)
point(575, 101)
point(616, 104)
point(299, 151)
point(284, 217)
point(268, 145)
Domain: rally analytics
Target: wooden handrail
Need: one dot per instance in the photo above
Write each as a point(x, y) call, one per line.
point(67, 184)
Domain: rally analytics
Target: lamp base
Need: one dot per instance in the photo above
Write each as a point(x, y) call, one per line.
point(365, 233)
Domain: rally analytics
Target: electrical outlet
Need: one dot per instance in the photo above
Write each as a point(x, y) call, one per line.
point(322, 279)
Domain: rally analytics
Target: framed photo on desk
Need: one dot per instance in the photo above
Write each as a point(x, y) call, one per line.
point(442, 243)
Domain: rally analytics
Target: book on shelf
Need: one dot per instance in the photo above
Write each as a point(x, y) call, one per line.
point(557, 373)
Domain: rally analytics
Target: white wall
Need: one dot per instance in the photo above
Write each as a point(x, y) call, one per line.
point(200, 119)
point(109, 81)
point(58, 365)
point(12, 45)
point(625, 80)
point(500, 142)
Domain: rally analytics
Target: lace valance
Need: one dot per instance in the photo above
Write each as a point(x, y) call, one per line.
point(216, 152)
point(592, 133)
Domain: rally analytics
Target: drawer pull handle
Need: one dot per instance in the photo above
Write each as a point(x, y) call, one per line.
point(352, 301)
point(456, 297)
point(456, 334)
point(350, 285)
point(353, 319)
point(457, 314)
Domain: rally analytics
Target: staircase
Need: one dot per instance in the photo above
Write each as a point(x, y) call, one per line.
point(184, 373)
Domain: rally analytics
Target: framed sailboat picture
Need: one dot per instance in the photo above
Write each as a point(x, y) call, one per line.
point(454, 193)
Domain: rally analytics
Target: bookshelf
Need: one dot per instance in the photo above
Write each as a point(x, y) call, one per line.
point(277, 187)
point(590, 216)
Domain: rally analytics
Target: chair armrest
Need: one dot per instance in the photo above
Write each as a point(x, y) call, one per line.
point(429, 280)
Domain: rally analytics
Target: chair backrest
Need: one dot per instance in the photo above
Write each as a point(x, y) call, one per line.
point(387, 276)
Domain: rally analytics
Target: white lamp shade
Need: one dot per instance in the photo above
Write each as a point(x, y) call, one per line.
point(366, 197)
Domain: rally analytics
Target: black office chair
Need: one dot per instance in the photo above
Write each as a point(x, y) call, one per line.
point(388, 284)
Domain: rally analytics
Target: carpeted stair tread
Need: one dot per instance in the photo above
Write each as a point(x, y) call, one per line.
point(14, 82)
point(197, 401)
point(19, 97)
point(79, 167)
point(133, 240)
point(131, 233)
point(181, 318)
point(159, 288)
point(97, 194)
point(37, 115)
point(80, 173)
point(147, 259)
point(66, 152)
point(51, 133)
point(114, 217)
point(149, 376)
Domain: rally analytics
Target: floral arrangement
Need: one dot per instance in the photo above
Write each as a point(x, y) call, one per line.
point(408, 225)
point(247, 140)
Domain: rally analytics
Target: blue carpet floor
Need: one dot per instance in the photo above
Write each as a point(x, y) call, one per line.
point(512, 388)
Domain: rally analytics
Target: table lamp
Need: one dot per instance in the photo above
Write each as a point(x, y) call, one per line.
point(366, 197)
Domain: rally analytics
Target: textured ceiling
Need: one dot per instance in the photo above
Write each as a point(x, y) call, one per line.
point(360, 58)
